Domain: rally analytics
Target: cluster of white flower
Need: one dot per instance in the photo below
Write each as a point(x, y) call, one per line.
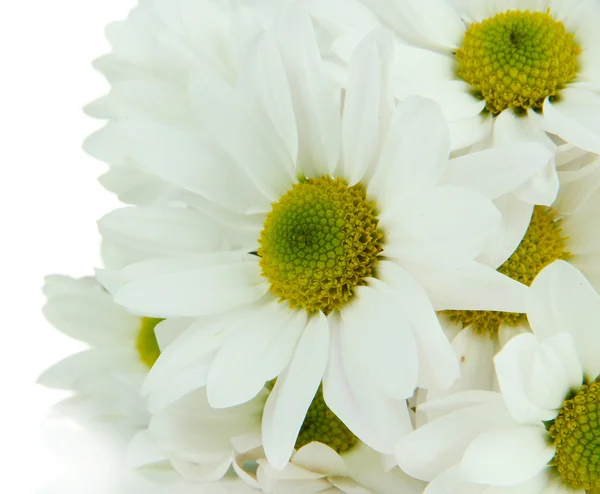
point(360, 250)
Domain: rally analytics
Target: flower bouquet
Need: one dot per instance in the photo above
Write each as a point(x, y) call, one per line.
point(359, 250)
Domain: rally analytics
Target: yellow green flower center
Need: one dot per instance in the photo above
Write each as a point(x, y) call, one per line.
point(322, 425)
point(517, 59)
point(320, 241)
point(146, 343)
point(576, 435)
point(542, 244)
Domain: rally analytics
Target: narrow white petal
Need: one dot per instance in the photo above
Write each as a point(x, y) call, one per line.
point(507, 456)
point(369, 104)
point(294, 391)
point(193, 292)
point(316, 105)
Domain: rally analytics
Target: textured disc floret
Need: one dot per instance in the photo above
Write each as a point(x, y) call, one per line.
point(146, 343)
point(517, 59)
point(320, 241)
point(542, 244)
point(576, 435)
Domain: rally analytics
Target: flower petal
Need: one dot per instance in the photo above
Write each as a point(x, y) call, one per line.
point(294, 391)
point(507, 456)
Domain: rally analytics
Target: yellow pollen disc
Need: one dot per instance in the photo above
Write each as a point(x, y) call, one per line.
point(146, 343)
point(542, 244)
point(517, 59)
point(576, 435)
point(320, 241)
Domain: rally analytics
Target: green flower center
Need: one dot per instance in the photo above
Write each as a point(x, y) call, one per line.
point(517, 59)
point(322, 425)
point(146, 343)
point(320, 241)
point(542, 244)
point(576, 435)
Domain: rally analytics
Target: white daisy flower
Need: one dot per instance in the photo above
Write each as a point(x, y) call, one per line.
point(107, 377)
point(541, 433)
point(348, 225)
point(514, 66)
point(566, 231)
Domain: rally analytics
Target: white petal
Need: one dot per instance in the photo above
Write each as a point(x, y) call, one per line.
point(575, 117)
point(447, 223)
point(438, 366)
point(255, 354)
point(513, 369)
point(164, 231)
point(516, 216)
point(191, 160)
point(434, 447)
point(471, 286)
point(194, 291)
point(452, 481)
point(474, 353)
point(376, 420)
point(415, 151)
point(499, 170)
point(369, 104)
point(318, 457)
point(563, 300)
point(315, 103)
point(507, 456)
point(294, 391)
point(380, 338)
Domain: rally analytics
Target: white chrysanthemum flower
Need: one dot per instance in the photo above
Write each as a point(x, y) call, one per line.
point(106, 378)
point(507, 67)
point(353, 234)
point(541, 434)
point(566, 230)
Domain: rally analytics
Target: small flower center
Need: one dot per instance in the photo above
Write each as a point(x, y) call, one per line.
point(146, 343)
point(542, 244)
point(576, 435)
point(322, 425)
point(320, 241)
point(517, 59)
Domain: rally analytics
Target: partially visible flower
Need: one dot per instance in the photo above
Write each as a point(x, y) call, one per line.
point(500, 67)
point(106, 379)
point(566, 230)
point(541, 434)
point(317, 468)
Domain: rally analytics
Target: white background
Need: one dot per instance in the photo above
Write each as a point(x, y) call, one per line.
point(50, 201)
